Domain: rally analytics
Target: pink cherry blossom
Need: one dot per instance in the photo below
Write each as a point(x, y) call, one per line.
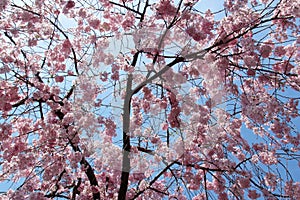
point(265, 51)
point(196, 35)
point(59, 78)
point(165, 8)
point(94, 23)
point(149, 99)
point(252, 194)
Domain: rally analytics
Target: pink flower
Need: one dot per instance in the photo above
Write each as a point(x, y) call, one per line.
point(70, 4)
point(106, 26)
point(3, 4)
point(109, 59)
point(32, 42)
point(70, 73)
point(164, 126)
point(283, 66)
point(7, 107)
point(244, 182)
point(59, 79)
point(195, 34)
point(68, 118)
point(292, 189)
point(279, 51)
point(264, 1)
point(250, 61)
point(267, 158)
point(4, 69)
point(82, 13)
point(200, 197)
point(251, 72)
point(66, 47)
point(265, 51)
point(252, 194)
point(5, 131)
point(146, 106)
point(94, 23)
point(155, 140)
point(165, 8)
point(95, 189)
point(37, 196)
point(128, 21)
point(66, 44)
point(115, 76)
point(103, 76)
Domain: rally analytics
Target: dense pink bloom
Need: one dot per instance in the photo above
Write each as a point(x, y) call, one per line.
point(252, 194)
point(94, 23)
point(250, 61)
point(149, 99)
point(244, 182)
point(197, 35)
point(70, 4)
point(164, 9)
point(265, 51)
point(292, 189)
point(59, 79)
point(3, 4)
point(279, 51)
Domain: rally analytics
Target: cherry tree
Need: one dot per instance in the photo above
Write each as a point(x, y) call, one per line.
point(149, 99)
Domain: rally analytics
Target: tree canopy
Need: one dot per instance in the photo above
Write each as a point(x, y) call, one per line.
point(146, 99)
